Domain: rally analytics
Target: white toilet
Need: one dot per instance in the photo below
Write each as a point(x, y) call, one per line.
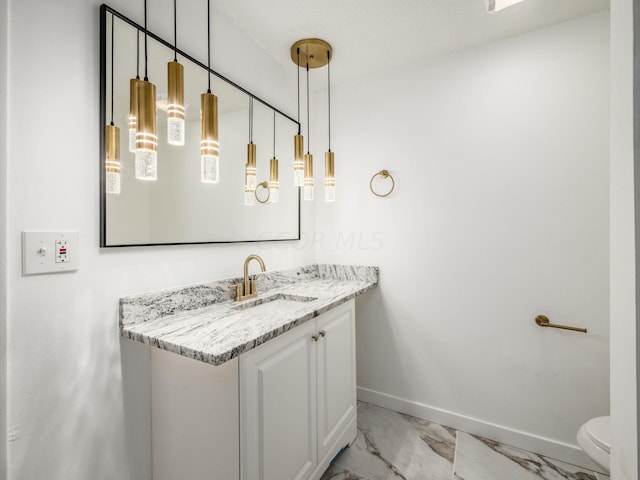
point(594, 437)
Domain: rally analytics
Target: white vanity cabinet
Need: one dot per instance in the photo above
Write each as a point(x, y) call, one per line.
point(298, 399)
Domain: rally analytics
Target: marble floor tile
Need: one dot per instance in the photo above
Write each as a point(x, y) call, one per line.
point(478, 458)
point(336, 472)
point(392, 446)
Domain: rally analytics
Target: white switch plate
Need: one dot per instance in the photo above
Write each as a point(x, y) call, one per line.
point(49, 252)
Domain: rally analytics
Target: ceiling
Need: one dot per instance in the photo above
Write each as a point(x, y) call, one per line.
point(372, 36)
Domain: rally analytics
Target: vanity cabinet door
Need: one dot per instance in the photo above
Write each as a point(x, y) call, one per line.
point(278, 407)
point(336, 373)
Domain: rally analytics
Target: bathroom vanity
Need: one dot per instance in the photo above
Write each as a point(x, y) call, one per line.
point(259, 389)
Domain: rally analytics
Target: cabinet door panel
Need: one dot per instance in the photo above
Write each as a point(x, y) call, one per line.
point(279, 420)
point(336, 374)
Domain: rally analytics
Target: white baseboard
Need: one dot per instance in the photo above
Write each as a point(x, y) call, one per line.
point(541, 445)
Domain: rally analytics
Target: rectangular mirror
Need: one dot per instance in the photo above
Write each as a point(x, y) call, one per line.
point(178, 208)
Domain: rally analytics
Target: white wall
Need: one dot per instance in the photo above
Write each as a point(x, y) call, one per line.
point(500, 213)
point(3, 232)
point(624, 418)
point(71, 405)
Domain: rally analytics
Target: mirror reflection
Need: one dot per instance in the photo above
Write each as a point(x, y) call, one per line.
point(178, 207)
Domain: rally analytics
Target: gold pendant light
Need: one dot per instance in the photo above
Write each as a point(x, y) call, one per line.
point(112, 160)
point(146, 137)
point(250, 167)
point(209, 145)
point(310, 53)
point(308, 177)
point(329, 177)
point(329, 161)
point(112, 141)
point(175, 82)
point(133, 112)
point(274, 183)
point(308, 158)
point(146, 133)
point(209, 149)
point(298, 140)
point(133, 99)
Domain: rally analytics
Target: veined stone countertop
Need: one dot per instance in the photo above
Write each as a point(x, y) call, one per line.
point(204, 322)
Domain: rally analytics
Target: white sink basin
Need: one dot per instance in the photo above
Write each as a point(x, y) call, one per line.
point(275, 305)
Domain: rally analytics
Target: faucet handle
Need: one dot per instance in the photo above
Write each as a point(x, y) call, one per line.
point(253, 287)
point(238, 289)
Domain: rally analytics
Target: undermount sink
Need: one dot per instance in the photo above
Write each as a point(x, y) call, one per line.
point(275, 304)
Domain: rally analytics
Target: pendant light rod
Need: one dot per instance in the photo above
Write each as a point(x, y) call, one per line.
point(298, 50)
point(329, 92)
point(175, 31)
point(209, 44)
point(274, 134)
point(146, 78)
point(250, 119)
point(308, 136)
point(112, 67)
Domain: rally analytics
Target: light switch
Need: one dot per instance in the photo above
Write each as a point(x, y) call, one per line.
point(49, 252)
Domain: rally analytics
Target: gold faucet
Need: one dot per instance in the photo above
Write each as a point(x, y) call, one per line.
point(248, 288)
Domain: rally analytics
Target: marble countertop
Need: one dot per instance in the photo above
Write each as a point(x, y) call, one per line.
point(203, 321)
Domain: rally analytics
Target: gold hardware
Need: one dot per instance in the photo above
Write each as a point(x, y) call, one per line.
point(175, 82)
point(248, 288)
point(313, 53)
point(264, 185)
point(315, 338)
point(112, 149)
point(322, 333)
point(209, 145)
point(308, 168)
point(383, 174)
point(543, 321)
point(251, 154)
point(146, 136)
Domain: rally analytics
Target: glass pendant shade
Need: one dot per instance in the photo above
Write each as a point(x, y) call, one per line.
point(274, 183)
point(175, 107)
point(133, 112)
point(146, 134)
point(112, 160)
point(209, 147)
point(249, 196)
point(298, 160)
point(329, 178)
point(308, 176)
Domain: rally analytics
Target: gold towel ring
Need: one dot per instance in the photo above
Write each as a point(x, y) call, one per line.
point(264, 185)
point(382, 174)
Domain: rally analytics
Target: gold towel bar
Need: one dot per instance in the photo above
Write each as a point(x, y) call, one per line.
point(544, 322)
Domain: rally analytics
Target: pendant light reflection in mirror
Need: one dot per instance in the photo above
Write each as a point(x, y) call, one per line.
point(311, 53)
point(209, 146)
point(250, 168)
point(175, 82)
point(274, 183)
point(146, 156)
point(133, 99)
point(112, 140)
